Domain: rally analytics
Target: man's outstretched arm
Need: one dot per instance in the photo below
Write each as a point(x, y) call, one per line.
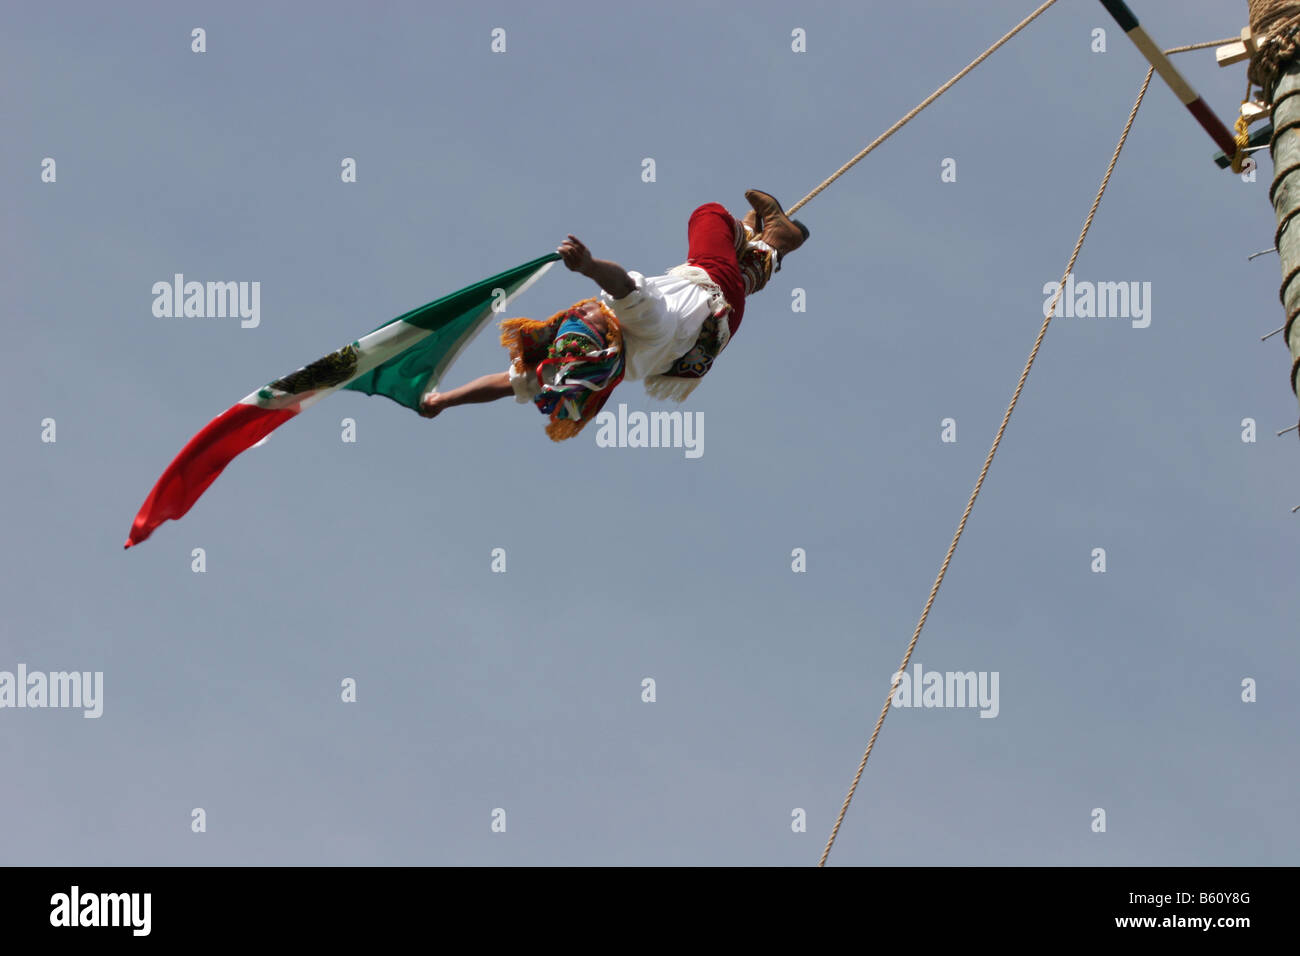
point(488, 388)
point(610, 276)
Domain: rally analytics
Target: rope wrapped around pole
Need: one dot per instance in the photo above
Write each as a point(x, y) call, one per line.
point(1276, 68)
point(1278, 21)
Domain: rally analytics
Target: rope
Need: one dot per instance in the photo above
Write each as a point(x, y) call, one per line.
point(915, 112)
point(988, 462)
point(1202, 46)
point(879, 140)
point(1267, 14)
point(1278, 21)
point(1242, 130)
point(1275, 57)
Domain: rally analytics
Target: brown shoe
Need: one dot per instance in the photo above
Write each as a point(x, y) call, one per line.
point(778, 230)
point(753, 222)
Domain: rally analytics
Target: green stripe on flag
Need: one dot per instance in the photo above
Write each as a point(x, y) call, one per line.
point(454, 320)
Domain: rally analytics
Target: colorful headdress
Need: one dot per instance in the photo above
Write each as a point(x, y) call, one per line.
point(576, 365)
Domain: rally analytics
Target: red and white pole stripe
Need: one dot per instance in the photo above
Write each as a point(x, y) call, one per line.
point(1169, 73)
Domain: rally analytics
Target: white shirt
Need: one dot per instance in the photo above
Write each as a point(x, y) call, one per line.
point(661, 319)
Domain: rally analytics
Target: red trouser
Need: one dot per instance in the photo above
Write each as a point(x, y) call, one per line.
point(711, 245)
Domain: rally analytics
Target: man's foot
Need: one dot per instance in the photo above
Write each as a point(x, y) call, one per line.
point(778, 230)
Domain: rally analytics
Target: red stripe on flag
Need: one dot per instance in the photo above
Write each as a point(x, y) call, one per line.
point(201, 461)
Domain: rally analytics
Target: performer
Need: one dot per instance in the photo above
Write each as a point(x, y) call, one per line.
point(666, 329)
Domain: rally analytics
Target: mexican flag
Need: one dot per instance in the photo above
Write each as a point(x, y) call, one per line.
point(401, 360)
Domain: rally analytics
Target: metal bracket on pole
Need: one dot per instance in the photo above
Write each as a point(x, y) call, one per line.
point(1259, 139)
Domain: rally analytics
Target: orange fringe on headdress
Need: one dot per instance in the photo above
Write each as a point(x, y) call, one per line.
point(528, 341)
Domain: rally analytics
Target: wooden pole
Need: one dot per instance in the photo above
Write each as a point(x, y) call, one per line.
point(1286, 202)
point(1275, 68)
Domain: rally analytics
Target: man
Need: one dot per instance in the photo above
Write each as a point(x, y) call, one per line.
point(666, 329)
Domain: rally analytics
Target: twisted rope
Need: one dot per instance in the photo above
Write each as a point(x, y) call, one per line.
point(1274, 6)
point(988, 462)
point(917, 110)
point(1274, 60)
point(1202, 46)
point(1279, 21)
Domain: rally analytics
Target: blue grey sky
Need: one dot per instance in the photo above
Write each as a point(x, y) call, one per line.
point(523, 691)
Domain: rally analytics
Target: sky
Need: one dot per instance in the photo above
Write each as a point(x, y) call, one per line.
point(500, 717)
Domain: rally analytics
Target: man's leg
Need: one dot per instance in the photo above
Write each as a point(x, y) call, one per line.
point(711, 245)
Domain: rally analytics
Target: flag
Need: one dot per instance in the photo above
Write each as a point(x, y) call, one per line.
point(401, 360)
